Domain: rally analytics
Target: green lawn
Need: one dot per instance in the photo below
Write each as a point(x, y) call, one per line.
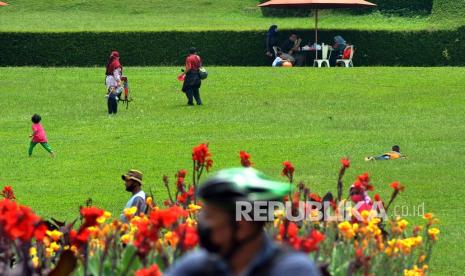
point(187, 15)
point(311, 117)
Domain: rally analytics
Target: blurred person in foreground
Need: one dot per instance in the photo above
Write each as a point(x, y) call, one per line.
point(239, 247)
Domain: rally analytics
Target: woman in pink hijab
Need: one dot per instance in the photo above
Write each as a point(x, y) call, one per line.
point(113, 74)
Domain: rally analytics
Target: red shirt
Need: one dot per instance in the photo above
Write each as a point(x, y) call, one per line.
point(193, 62)
point(39, 134)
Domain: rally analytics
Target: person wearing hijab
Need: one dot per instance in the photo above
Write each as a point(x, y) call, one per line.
point(192, 81)
point(271, 41)
point(113, 74)
point(338, 48)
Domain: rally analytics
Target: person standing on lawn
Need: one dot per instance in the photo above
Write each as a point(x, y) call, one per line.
point(38, 136)
point(113, 74)
point(192, 80)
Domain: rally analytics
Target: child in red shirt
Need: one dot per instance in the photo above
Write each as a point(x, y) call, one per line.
point(38, 136)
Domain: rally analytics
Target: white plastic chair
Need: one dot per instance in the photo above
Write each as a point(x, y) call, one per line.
point(325, 52)
point(347, 62)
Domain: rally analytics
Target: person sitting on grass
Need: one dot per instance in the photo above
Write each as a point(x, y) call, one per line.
point(393, 154)
point(292, 51)
point(279, 60)
point(38, 136)
point(133, 183)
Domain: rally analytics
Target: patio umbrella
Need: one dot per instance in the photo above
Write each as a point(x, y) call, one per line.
point(318, 5)
point(3, 4)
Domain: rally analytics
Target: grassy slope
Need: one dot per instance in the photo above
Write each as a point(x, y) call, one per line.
point(155, 15)
point(311, 117)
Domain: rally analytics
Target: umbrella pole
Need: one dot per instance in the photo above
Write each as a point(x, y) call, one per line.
point(316, 33)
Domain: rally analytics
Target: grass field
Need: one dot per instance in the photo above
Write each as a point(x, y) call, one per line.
point(311, 117)
point(187, 15)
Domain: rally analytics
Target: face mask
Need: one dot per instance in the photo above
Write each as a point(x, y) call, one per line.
point(205, 238)
point(356, 198)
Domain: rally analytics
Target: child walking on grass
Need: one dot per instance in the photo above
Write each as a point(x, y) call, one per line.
point(38, 136)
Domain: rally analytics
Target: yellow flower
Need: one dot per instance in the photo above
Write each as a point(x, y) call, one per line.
point(392, 248)
point(48, 252)
point(278, 213)
point(171, 238)
point(149, 201)
point(54, 246)
point(346, 230)
point(32, 251)
point(129, 212)
point(402, 224)
point(126, 238)
point(193, 208)
point(433, 233)
point(415, 271)
point(55, 235)
point(35, 262)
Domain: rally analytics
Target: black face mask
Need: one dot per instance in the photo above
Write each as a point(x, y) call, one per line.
point(205, 238)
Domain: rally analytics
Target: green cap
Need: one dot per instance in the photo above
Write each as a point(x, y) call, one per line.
point(236, 184)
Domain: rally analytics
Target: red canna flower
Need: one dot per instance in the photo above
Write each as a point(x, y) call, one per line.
point(363, 183)
point(312, 242)
point(202, 156)
point(397, 186)
point(288, 169)
point(150, 271)
point(245, 159)
point(377, 197)
point(181, 173)
point(345, 162)
point(182, 198)
point(167, 217)
point(314, 197)
point(91, 214)
point(80, 238)
point(180, 180)
point(191, 238)
point(8, 193)
point(19, 222)
point(146, 236)
point(292, 230)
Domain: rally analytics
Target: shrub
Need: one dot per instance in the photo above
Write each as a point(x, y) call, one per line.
point(224, 48)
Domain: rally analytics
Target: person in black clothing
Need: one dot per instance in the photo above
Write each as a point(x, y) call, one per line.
point(291, 49)
point(271, 41)
point(192, 82)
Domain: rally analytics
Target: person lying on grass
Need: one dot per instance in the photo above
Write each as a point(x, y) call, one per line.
point(393, 154)
point(38, 136)
point(279, 60)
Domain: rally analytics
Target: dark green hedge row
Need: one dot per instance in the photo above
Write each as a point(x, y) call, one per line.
point(453, 9)
point(419, 48)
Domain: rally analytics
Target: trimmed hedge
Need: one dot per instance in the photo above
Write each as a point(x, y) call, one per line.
point(414, 48)
point(452, 9)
